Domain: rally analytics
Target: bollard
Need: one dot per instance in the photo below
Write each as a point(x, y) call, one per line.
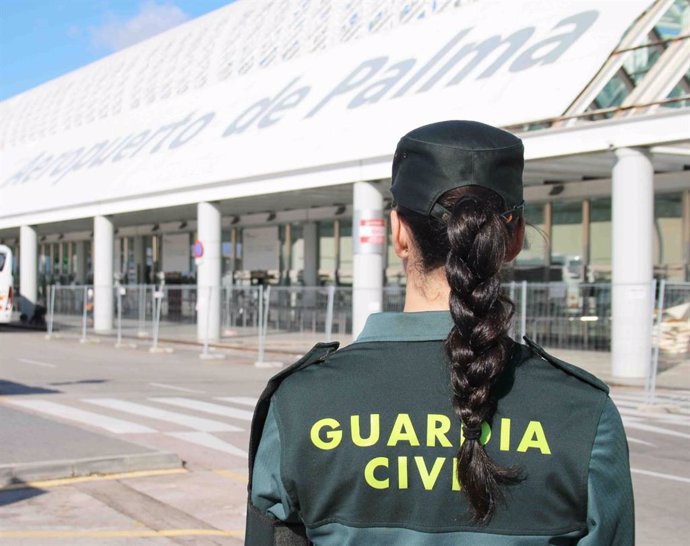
point(84, 315)
point(206, 353)
point(329, 312)
point(260, 357)
point(141, 298)
point(51, 310)
point(264, 302)
point(654, 368)
point(121, 291)
point(157, 304)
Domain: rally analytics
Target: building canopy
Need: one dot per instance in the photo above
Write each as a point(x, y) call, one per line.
point(193, 108)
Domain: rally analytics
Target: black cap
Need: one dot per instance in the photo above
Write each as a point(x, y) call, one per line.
point(435, 158)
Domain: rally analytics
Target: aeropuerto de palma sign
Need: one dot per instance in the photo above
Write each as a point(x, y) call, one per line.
point(499, 62)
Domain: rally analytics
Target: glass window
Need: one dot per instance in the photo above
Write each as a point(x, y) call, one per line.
point(566, 232)
point(227, 253)
point(682, 89)
point(345, 271)
point(327, 254)
point(296, 254)
point(534, 248)
point(600, 238)
point(639, 61)
point(668, 230)
point(672, 22)
point(614, 92)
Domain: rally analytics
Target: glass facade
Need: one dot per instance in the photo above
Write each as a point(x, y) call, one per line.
point(639, 59)
point(600, 239)
point(668, 240)
point(556, 242)
point(566, 231)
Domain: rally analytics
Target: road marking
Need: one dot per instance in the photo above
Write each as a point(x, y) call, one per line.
point(174, 388)
point(118, 426)
point(667, 418)
point(636, 441)
point(244, 400)
point(659, 475)
point(207, 407)
point(80, 479)
point(237, 476)
point(208, 440)
point(633, 423)
point(130, 533)
point(622, 404)
point(196, 423)
point(37, 363)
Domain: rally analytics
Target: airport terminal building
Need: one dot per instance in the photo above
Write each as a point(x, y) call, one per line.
point(253, 145)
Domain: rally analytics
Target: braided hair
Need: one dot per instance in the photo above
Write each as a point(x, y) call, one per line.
point(472, 246)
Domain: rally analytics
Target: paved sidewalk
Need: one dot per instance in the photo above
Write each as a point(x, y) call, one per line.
point(676, 376)
point(35, 449)
point(55, 450)
point(288, 346)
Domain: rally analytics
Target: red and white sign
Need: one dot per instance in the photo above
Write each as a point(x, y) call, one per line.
point(372, 231)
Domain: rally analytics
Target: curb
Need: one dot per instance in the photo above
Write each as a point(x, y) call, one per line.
point(13, 474)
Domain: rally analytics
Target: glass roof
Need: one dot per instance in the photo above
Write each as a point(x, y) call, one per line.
point(649, 70)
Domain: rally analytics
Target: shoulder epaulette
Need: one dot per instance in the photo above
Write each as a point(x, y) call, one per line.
point(317, 354)
point(566, 367)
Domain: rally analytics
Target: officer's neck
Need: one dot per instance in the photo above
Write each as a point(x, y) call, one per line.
point(426, 291)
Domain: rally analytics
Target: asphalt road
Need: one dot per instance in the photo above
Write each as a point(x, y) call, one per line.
point(200, 410)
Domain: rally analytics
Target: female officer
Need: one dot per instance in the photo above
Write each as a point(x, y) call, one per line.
point(434, 427)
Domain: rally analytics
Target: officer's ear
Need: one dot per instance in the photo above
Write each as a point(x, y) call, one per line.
point(518, 240)
point(400, 236)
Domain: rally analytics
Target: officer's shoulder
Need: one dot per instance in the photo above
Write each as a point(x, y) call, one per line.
point(317, 355)
point(566, 367)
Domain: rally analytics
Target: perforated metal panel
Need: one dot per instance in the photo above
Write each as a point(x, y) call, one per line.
point(243, 37)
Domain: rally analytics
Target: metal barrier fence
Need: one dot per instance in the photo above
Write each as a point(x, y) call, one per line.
point(557, 315)
point(671, 325)
point(561, 315)
point(70, 310)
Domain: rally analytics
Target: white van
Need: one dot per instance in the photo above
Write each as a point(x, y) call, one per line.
point(6, 284)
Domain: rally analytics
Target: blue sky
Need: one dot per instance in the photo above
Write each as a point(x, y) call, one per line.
point(43, 39)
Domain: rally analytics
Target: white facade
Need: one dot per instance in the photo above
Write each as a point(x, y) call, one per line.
point(269, 112)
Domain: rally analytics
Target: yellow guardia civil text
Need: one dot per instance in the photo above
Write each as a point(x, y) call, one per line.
point(394, 472)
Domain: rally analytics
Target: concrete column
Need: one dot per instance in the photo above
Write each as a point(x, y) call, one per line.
point(586, 237)
point(310, 233)
point(209, 272)
point(28, 270)
point(632, 236)
point(117, 255)
point(548, 235)
point(369, 238)
point(80, 267)
point(103, 235)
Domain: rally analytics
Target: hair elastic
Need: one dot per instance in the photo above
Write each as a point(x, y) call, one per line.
point(471, 433)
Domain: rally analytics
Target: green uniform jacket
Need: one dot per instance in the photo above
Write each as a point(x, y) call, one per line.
point(358, 447)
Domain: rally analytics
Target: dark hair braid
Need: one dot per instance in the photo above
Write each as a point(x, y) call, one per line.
point(473, 247)
point(476, 346)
